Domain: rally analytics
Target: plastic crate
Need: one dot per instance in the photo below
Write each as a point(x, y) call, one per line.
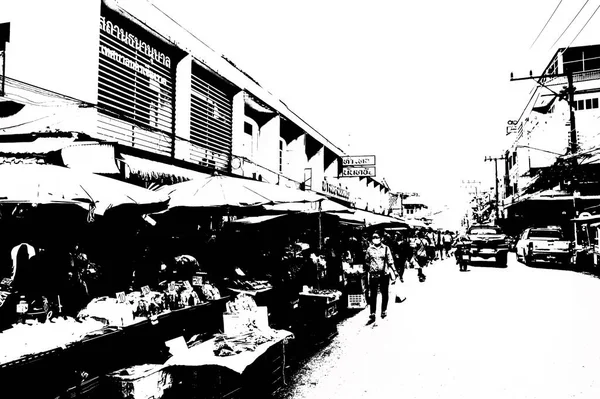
point(357, 301)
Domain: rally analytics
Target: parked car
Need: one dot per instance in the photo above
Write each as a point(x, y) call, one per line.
point(487, 243)
point(546, 244)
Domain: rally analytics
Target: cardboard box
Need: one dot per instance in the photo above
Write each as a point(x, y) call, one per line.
point(235, 324)
point(261, 317)
point(148, 381)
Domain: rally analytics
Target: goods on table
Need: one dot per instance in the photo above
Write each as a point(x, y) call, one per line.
point(209, 292)
point(251, 284)
point(325, 292)
point(109, 311)
point(179, 294)
point(242, 315)
point(228, 345)
point(352, 269)
point(24, 339)
point(137, 306)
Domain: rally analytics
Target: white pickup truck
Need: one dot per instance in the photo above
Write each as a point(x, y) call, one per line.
point(546, 244)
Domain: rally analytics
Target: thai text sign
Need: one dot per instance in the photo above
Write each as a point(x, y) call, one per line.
point(362, 160)
point(335, 190)
point(367, 171)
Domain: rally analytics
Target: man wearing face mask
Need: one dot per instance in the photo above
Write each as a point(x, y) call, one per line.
point(380, 265)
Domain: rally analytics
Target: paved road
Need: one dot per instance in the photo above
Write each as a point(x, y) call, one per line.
point(490, 333)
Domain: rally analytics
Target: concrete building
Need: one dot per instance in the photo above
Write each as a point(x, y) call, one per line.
point(541, 137)
point(124, 89)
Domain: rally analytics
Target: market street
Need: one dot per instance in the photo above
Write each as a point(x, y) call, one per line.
point(518, 332)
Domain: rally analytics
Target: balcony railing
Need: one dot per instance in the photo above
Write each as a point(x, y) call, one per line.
point(577, 77)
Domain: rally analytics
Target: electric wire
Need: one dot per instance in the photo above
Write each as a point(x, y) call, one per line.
point(582, 28)
point(539, 34)
point(177, 23)
point(570, 23)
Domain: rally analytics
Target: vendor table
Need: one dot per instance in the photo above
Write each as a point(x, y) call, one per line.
point(198, 373)
point(58, 373)
point(318, 323)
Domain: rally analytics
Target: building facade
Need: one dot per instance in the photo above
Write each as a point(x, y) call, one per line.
point(541, 138)
point(164, 105)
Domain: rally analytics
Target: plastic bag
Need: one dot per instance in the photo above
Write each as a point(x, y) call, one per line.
point(395, 292)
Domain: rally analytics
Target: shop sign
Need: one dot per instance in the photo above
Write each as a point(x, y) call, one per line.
point(121, 297)
point(197, 281)
point(336, 191)
point(135, 84)
point(512, 127)
point(145, 290)
point(132, 41)
point(361, 160)
point(367, 171)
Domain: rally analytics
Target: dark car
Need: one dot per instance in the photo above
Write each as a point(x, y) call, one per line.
point(487, 243)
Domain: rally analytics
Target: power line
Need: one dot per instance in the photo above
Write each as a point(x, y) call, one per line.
point(539, 34)
point(570, 23)
point(583, 27)
point(178, 24)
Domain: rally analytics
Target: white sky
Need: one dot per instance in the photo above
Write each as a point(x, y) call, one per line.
point(424, 85)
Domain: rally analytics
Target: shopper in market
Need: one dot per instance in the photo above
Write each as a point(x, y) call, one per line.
point(420, 254)
point(402, 253)
point(447, 242)
point(380, 265)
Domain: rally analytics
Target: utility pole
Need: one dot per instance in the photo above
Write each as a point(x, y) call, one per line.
point(469, 185)
point(4, 38)
point(568, 94)
point(496, 159)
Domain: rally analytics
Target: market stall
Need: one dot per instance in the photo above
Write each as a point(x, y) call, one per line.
point(248, 358)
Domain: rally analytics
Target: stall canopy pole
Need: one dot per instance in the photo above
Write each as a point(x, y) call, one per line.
point(320, 228)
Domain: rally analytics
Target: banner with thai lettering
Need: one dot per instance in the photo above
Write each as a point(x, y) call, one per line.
point(136, 84)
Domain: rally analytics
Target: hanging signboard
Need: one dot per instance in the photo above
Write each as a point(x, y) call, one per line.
point(361, 160)
point(367, 171)
point(358, 166)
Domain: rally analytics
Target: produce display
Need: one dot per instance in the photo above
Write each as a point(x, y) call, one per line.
point(109, 311)
point(242, 303)
point(251, 285)
point(137, 306)
point(28, 339)
point(325, 292)
point(248, 341)
point(352, 268)
point(209, 292)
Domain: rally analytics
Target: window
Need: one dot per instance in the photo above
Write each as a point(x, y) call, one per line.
point(589, 103)
point(557, 234)
point(484, 230)
point(247, 128)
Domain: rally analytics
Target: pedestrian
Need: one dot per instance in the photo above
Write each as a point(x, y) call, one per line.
point(421, 255)
point(429, 239)
point(447, 242)
point(461, 253)
point(402, 253)
point(439, 247)
point(380, 265)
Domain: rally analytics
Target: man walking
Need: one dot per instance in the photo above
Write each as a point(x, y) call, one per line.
point(380, 265)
